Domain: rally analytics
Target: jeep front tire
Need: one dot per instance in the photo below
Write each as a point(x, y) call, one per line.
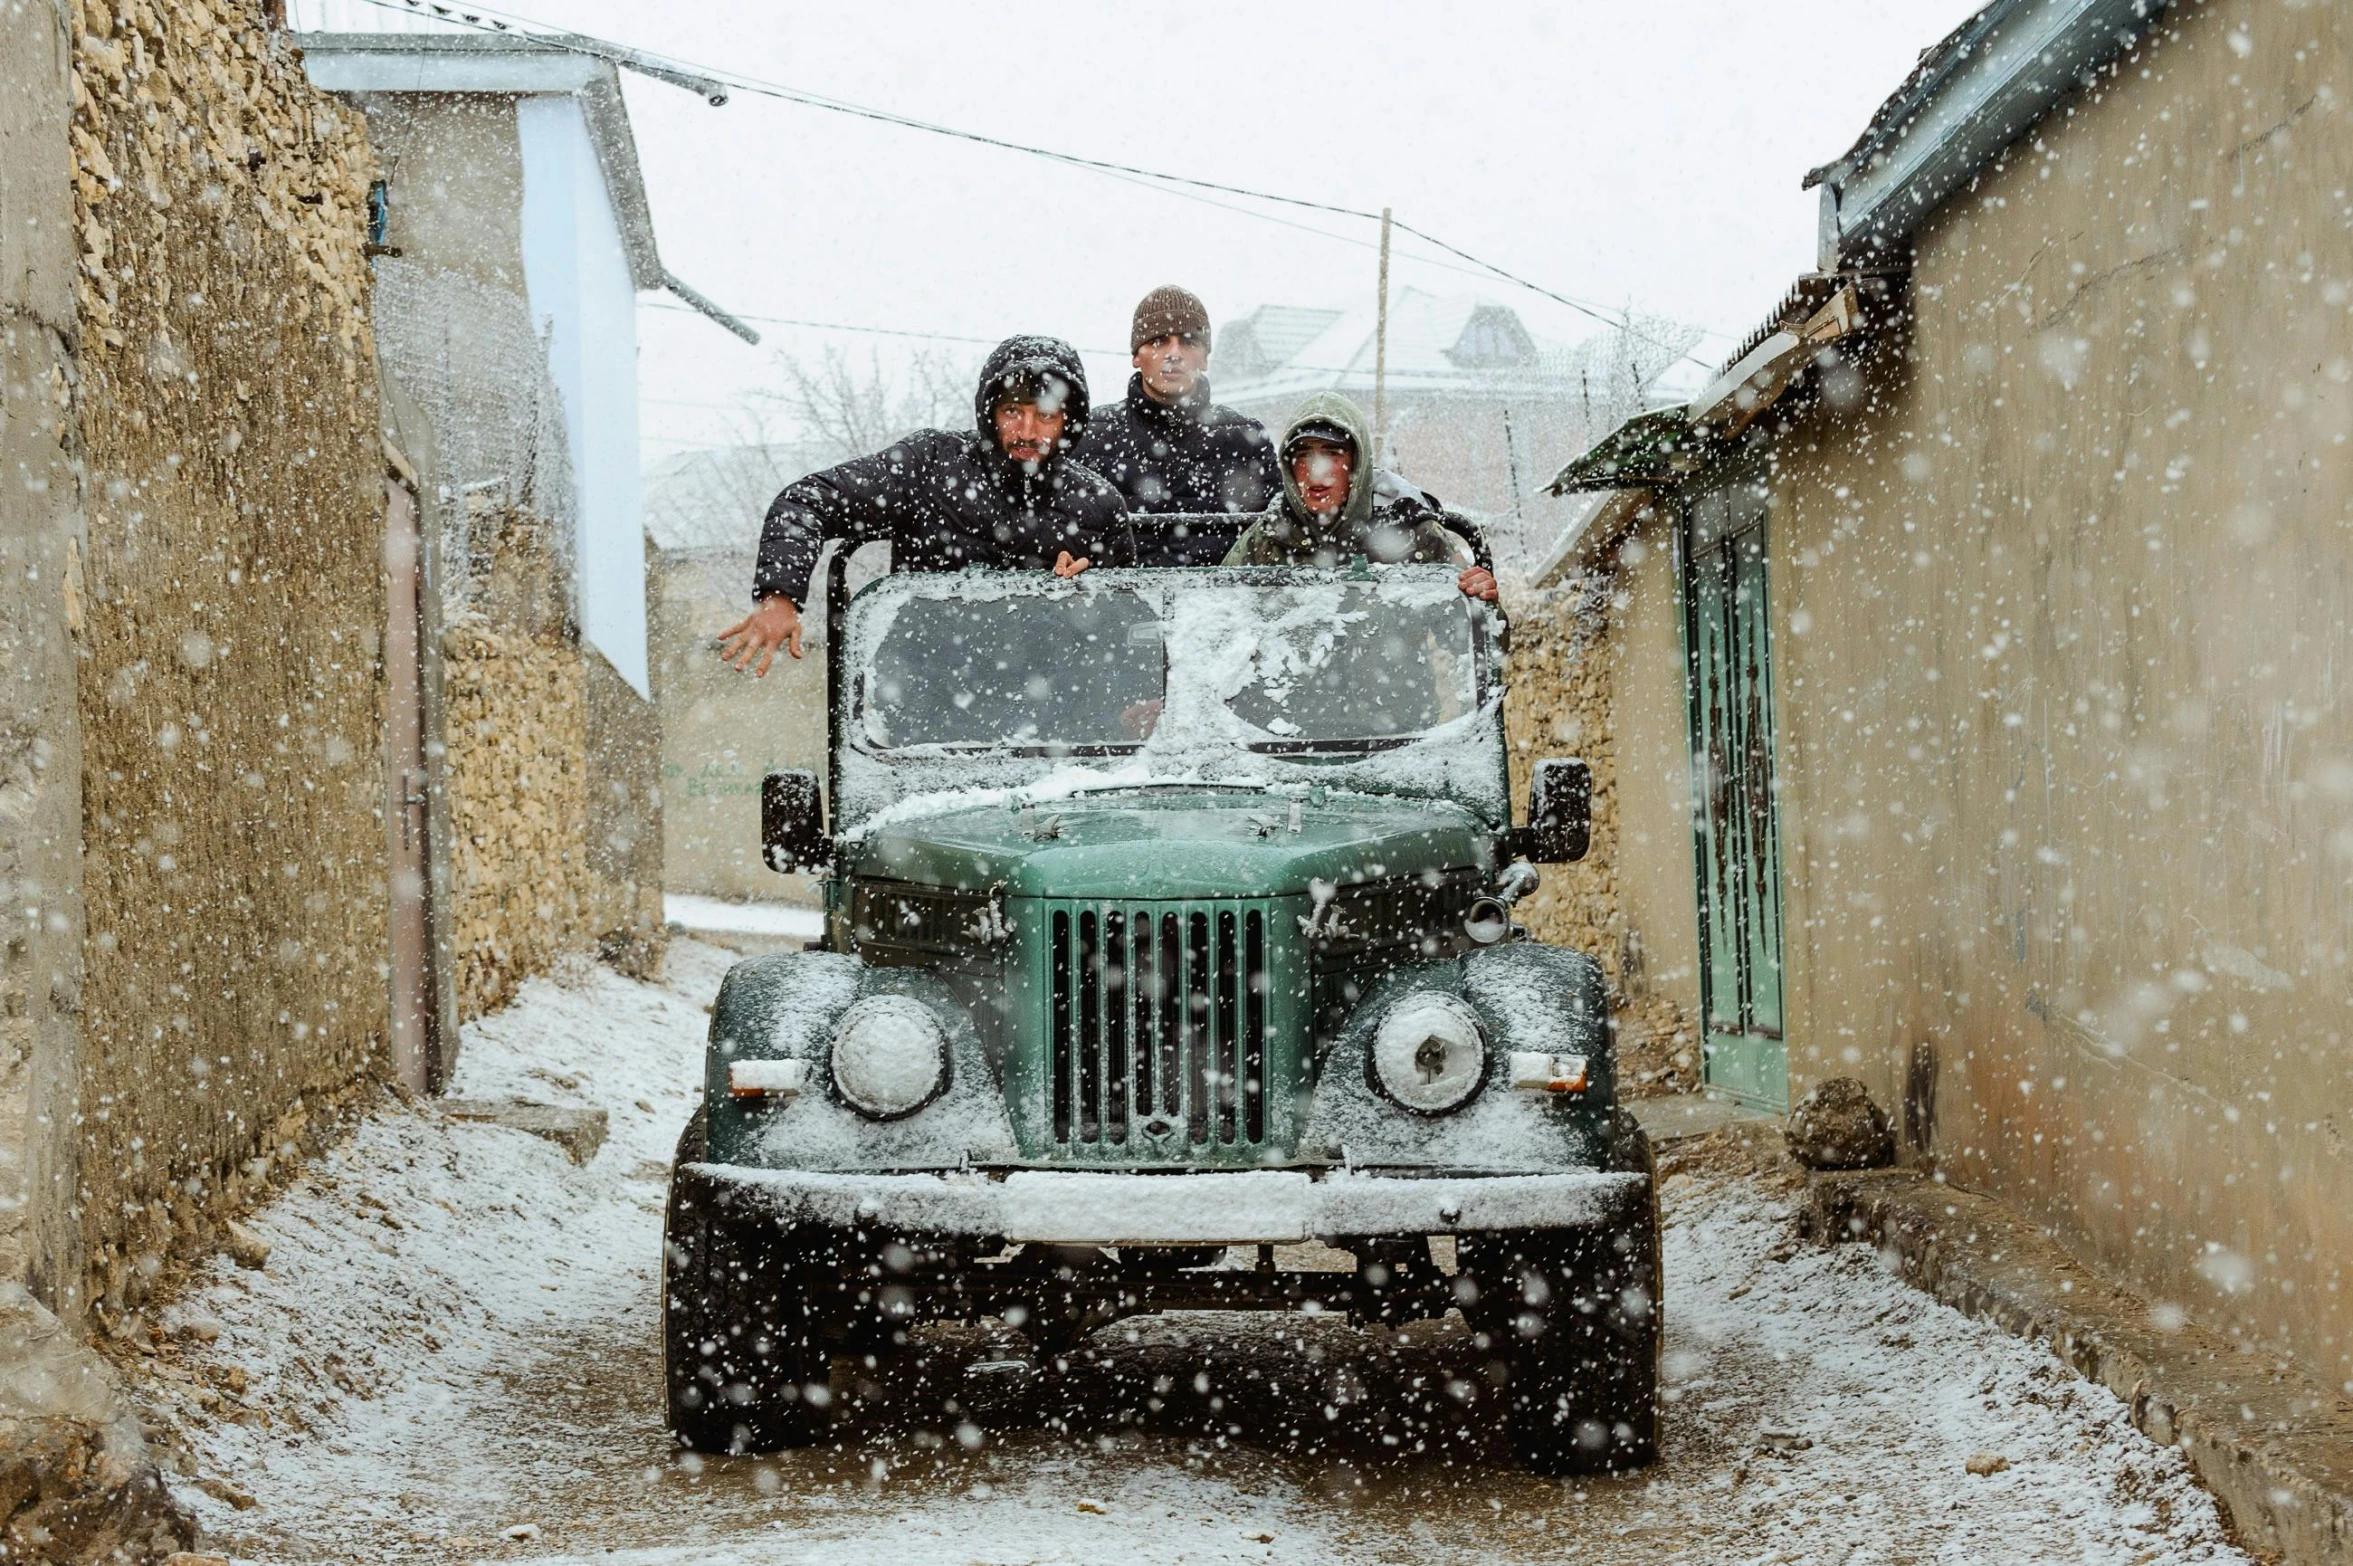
point(1573, 1319)
point(742, 1361)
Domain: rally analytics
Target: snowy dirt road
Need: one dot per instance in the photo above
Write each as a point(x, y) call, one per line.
point(450, 1356)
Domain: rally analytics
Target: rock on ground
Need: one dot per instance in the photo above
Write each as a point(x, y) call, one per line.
point(76, 1482)
point(1836, 1126)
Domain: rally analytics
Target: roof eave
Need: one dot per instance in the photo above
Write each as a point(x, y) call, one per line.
point(1616, 515)
point(1998, 76)
point(466, 63)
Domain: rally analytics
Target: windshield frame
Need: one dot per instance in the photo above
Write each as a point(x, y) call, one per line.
point(1350, 763)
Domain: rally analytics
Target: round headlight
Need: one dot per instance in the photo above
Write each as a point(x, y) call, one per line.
point(889, 1056)
point(1428, 1053)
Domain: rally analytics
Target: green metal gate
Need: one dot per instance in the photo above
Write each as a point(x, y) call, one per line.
point(1736, 838)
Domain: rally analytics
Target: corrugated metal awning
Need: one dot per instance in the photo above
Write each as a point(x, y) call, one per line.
point(1653, 449)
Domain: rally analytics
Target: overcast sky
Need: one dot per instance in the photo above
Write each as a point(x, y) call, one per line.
point(1628, 153)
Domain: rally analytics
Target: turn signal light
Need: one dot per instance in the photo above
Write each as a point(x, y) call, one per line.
point(1538, 1073)
point(767, 1078)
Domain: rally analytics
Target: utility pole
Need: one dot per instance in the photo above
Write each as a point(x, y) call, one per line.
point(1381, 353)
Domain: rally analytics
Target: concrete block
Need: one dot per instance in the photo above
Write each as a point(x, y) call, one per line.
point(579, 1132)
point(1682, 1117)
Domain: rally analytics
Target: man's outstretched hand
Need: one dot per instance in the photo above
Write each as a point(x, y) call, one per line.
point(776, 623)
point(1478, 581)
point(1064, 565)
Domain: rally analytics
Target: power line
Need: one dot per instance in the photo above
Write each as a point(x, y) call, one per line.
point(873, 331)
point(1395, 372)
point(484, 19)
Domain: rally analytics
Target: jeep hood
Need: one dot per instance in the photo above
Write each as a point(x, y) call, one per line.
point(1176, 843)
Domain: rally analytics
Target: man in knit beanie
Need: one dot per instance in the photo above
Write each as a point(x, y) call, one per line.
point(1168, 448)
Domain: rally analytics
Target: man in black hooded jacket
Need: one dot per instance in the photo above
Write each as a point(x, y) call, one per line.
point(1169, 448)
point(1006, 495)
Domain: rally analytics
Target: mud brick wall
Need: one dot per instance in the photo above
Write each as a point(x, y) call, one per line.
point(230, 691)
point(1561, 701)
point(529, 888)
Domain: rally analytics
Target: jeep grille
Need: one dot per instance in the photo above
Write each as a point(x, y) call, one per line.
point(1160, 1024)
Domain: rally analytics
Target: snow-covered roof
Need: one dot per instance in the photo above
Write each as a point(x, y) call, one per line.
point(1269, 337)
point(1455, 343)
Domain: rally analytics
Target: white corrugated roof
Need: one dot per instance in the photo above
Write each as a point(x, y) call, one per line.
point(1461, 343)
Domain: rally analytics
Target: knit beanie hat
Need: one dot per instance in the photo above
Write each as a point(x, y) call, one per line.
point(1168, 311)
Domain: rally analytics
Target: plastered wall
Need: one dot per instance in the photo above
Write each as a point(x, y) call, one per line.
point(722, 731)
point(2066, 758)
point(229, 692)
point(40, 733)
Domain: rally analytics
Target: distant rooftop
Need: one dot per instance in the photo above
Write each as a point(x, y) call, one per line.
point(1437, 343)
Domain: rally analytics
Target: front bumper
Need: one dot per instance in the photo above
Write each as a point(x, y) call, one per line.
point(1257, 1207)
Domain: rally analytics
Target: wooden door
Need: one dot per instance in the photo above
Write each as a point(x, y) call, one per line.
point(405, 798)
point(1736, 838)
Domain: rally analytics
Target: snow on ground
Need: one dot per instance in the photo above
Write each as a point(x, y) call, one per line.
point(454, 1337)
point(423, 1256)
point(722, 917)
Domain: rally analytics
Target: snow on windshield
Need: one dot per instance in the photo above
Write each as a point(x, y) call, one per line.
point(1331, 665)
point(963, 687)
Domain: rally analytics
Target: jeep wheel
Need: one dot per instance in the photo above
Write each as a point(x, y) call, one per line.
point(1574, 1319)
point(743, 1365)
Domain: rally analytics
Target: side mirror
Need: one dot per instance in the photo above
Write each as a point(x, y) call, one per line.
point(1560, 815)
point(792, 823)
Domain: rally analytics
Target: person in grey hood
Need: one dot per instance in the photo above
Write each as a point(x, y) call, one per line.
point(1006, 494)
point(1330, 511)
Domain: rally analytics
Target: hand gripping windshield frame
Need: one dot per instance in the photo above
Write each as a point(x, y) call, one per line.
point(1102, 1040)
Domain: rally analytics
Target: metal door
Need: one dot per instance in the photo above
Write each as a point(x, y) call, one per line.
point(405, 796)
point(1736, 838)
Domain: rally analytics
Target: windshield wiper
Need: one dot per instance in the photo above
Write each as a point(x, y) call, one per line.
point(921, 750)
point(1331, 747)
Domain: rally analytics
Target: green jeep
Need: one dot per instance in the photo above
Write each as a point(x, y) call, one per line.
point(1168, 922)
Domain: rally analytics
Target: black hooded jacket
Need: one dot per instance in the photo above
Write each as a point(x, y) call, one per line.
point(1192, 457)
point(944, 500)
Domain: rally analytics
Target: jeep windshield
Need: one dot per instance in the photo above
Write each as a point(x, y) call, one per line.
point(1382, 680)
point(1079, 672)
point(1329, 668)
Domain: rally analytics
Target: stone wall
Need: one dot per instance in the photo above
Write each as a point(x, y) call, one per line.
point(552, 770)
point(230, 691)
point(553, 778)
point(1563, 699)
